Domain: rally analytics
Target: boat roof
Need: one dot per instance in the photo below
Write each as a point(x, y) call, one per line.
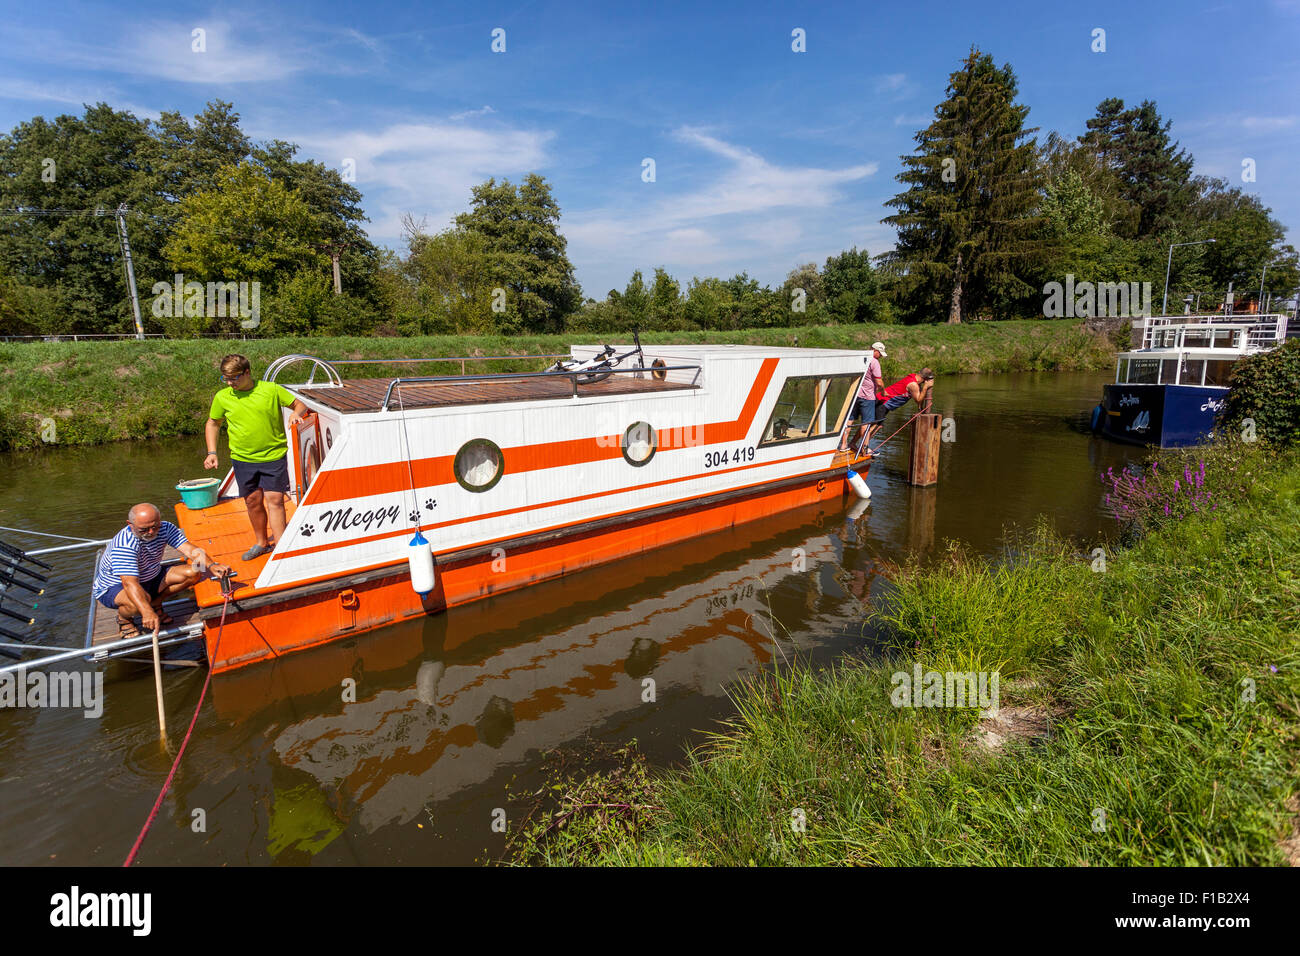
point(367, 394)
point(743, 351)
point(1230, 355)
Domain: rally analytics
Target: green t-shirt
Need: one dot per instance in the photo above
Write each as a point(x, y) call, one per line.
point(254, 424)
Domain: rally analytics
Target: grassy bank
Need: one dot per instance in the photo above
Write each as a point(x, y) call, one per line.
point(1150, 712)
point(111, 391)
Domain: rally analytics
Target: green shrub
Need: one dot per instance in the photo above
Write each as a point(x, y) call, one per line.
point(1266, 389)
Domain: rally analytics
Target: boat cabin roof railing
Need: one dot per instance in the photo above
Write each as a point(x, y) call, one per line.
point(334, 377)
point(1244, 334)
point(284, 361)
point(573, 377)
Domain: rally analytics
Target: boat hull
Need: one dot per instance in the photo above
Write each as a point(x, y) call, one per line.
point(272, 625)
point(1167, 416)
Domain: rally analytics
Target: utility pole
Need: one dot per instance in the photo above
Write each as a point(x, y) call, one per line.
point(130, 269)
point(1164, 305)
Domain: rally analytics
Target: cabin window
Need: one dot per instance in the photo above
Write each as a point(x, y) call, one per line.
point(1217, 371)
point(1168, 371)
point(639, 444)
point(1142, 371)
point(478, 465)
point(810, 406)
point(1193, 369)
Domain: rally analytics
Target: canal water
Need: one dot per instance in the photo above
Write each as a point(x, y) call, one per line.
point(453, 713)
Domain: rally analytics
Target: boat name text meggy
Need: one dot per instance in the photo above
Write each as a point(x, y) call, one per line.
point(345, 519)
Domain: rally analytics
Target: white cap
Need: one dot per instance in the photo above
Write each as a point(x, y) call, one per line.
point(880, 347)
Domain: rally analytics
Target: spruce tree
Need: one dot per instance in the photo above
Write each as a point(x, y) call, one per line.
point(967, 228)
point(1154, 174)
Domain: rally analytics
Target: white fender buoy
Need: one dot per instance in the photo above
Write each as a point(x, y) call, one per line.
point(858, 484)
point(420, 558)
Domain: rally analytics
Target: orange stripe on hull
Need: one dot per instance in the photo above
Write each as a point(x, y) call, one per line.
point(298, 623)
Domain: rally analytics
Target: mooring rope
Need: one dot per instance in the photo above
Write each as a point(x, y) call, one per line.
point(410, 471)
point(139, 841)
point(895, 432)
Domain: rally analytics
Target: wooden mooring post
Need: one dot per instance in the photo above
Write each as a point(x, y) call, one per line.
point(923, 469)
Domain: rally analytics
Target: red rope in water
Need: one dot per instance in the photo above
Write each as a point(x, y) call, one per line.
point(139, 841)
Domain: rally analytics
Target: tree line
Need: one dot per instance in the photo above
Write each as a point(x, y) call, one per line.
point(987, 216)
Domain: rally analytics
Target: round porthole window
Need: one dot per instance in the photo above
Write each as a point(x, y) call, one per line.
point(639, 444)
point(478, 465)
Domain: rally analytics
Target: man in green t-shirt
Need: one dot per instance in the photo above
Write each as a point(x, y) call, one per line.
point(258, 449)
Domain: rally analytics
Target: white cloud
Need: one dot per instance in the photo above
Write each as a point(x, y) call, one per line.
point(29, 91)
point(250, 51)
point(468, 113)
point(427, 169)
point(891, 82)
point(753, 215)
point(1268, 123)
point(918, 122)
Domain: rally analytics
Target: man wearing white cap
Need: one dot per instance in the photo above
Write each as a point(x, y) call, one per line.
point(873, 383)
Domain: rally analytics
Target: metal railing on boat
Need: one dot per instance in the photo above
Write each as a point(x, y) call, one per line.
point(331, 366)
point(573, 375)
point(1243, 332)
point(121, 647)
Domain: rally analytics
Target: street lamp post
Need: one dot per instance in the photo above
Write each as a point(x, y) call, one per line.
point(1164, 305)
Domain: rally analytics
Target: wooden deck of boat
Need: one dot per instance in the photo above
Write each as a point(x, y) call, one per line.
point(847, 457)
point(367, 394)
point(224, 533)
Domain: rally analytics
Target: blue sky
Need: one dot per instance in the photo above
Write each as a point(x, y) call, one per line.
point(764, 158)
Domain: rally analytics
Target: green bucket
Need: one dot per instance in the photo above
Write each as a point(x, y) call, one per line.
point(199, 492)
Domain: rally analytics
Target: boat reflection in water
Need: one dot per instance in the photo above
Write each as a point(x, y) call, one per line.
point(446, 704)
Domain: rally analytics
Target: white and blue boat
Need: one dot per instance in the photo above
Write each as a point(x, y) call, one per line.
point(1172, 385)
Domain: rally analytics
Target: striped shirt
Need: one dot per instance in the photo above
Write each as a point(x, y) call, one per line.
point(127, 554)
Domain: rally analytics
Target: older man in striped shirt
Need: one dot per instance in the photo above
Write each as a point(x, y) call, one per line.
point(130, 577)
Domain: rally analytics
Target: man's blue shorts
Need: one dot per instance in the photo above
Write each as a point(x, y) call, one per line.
point(864, 409)
point(887, 406)
point(267, 475)
point(151, 588)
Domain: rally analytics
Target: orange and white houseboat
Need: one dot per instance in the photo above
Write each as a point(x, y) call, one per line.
point(508, 479)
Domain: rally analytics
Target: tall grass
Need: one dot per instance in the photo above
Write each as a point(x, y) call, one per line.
point(112, 391)
point(1168, 684)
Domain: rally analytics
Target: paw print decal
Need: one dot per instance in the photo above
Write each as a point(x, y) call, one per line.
point(307, 530)
point(430, 504)
point(414, 516)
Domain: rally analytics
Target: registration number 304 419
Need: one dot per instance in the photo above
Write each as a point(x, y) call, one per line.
point(728, 456)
